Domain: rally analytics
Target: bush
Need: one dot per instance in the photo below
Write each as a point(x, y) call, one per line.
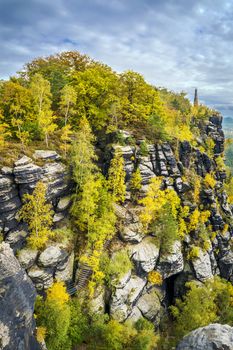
point(119, 265)
point(209, 181)
point(155, 277)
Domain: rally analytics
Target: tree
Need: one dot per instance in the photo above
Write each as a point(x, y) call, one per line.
point(203, 304)
point(97, 94)
point(135, 183)
point(66, 133)
point(116, 177)
point(4, 134)
point(38, 215)
point(68, 99)
point(54, 315)
point(83, 154)
point(41, 93)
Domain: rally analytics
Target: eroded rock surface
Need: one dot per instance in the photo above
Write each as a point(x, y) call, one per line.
point(211, 337)
point(17, 297)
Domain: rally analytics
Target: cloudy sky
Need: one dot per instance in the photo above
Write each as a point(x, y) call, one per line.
point(179, 44)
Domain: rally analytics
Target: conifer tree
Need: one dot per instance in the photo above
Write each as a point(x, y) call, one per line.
point(38, 215)
point(116, 177)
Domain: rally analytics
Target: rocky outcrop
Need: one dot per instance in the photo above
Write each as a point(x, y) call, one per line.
point(145, 255)
point(123, 299)
point(17, 297)
point(171, 263)
point(211, 337)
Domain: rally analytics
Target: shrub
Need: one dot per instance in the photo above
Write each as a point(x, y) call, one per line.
point(120, 264)
point(209, 181)
point(155, 277)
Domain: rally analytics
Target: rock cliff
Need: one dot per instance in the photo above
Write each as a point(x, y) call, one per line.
point(17, 297)
point(134, 295)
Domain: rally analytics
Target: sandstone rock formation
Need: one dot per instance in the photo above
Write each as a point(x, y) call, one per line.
point(211, 337)
point(17, 297)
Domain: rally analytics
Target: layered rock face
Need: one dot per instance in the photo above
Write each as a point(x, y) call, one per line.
point(135, 296)
point(211, 337)
point(55, 262)
point(17, 297)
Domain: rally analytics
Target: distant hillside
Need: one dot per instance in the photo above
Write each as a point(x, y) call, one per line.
point(228, 127)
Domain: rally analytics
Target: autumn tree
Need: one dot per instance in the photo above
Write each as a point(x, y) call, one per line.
point(83, 155)
point(116, 177)
point(66, 133)
point(97, 94)
point(68, 99)
point(135, 183)
point(40, 89)
point(203, 304)
point(38, 215)
point(53, 315)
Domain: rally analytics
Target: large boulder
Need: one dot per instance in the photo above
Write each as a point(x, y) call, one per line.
point(123, 299)
point(51, 256)
point(41, 277)
point(211, 337)
point(150, 307)
point(202, 266)
point(171, 263)
point(17, 297)
point(27, 257)
point(145, 255)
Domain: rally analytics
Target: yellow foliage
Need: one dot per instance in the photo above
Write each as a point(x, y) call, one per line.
point(196, 191)
point(220, 163)
point(193, 253)
point(40, 334)
point(4, 133)
point(116, 177)
point(155, 200)
point(225, 229)
point(57, 293)
point(209, 180)
point(38, 215)
point(155, 277)
point(204, 216)
point(184, 133)
point(194, 220)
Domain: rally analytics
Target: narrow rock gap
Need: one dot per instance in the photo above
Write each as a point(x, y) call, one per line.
point(170, 289)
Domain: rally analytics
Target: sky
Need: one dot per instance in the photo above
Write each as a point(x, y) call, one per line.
point(177, 44)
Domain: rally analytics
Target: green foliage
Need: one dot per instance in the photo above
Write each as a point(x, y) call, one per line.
point(83, 153)
point(160, 214)
point(116, 177)
point(54, 315)
point(165, 228)
point(203, 304)
point(144, 149)
point(38, 215)
point(135, 183)
point(68, 100)
point(118, 266)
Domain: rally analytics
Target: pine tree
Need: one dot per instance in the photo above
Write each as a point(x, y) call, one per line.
point(116, 177)
point(38, 215)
